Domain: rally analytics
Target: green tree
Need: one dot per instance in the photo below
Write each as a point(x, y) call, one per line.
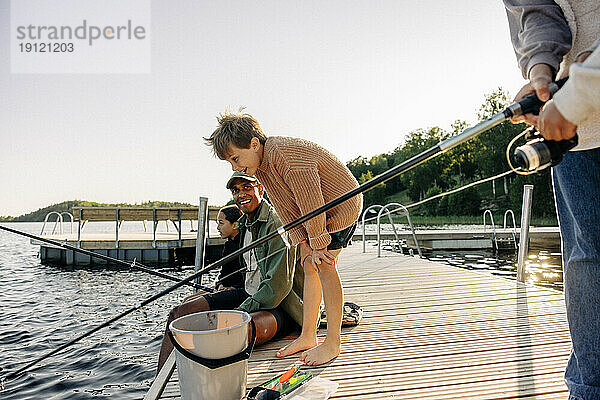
point(374, 196)
point(378, 164)
point(431, 173)
point(478, 158)
point(358, 166)
point(490, 146)
point(463, 165)
point(465, 202)
point(443, 206)
point(542, 200)
point(431, 207)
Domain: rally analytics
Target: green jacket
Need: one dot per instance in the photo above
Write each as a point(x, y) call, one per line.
point(282, 275)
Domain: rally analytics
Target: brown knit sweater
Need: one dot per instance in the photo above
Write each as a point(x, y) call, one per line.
point(300, 176)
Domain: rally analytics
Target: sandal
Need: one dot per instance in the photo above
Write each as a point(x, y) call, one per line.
point(352, 316)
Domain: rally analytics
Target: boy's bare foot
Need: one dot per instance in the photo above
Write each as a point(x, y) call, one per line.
point(296, 346)
point(321, 354)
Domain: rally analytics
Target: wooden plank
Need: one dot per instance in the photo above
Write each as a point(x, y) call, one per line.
point(437, 332)
point(162, 378)
point(140, 213)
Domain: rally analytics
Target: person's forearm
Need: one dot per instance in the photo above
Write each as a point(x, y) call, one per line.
point(539, 33)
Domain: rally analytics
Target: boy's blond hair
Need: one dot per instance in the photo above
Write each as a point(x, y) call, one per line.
point(234, 129)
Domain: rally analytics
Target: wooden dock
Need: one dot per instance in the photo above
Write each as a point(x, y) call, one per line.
point(432, 331)
point(150, 246)
point(446, 239)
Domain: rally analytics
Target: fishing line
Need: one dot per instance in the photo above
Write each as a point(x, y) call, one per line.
point(245, 268)
point(149, 300)
point(418, 203)
point(491, 178)
point(526, 105)
point(519, 170)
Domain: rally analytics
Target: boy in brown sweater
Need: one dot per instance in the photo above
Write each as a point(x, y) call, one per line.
point(300, 176)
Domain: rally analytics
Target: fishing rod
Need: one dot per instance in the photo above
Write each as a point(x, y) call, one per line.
point(244, 268)
point(145, 302)
point(134, 264)
point(529, 104)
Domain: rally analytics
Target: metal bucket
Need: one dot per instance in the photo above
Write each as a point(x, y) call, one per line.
point(212, 353)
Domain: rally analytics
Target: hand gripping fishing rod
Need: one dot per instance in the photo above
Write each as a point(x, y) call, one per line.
point(134, 264)
point(529, 104)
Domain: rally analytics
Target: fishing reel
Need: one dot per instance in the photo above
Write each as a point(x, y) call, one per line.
point(539, 153)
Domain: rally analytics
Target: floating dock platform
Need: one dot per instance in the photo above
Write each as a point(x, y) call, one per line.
point(445, 239)
point(145, 247)
point(433, 331)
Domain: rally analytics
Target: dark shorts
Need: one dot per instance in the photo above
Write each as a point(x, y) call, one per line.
point(226, 299)
point(231, 299)
point(341, 239)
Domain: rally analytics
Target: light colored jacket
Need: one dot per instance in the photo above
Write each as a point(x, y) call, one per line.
point(282, 276)
point(579, 99)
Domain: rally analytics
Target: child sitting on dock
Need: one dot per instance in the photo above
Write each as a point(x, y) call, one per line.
point(272, 287)
point(300, 176)
point(232, 273)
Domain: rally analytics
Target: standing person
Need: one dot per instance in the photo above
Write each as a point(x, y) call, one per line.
point(232, 273)
point(548, 38)
point(300, 176)
point(272, 287)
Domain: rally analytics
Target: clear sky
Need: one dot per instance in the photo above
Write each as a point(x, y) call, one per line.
point(352, 76)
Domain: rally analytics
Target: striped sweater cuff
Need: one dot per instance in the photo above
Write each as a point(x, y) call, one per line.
point(297, 235)
point(320, 242)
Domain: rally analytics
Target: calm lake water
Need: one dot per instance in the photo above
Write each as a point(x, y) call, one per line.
point(44, 306)
point(543, 266)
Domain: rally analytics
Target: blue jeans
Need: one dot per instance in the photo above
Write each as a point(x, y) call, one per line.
point(577, 190)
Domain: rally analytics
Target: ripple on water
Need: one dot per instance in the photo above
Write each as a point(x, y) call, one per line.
point(46, 306)
point(543, 267)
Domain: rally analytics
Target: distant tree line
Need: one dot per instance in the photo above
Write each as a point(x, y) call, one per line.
point(481, 157)
point(67, 206)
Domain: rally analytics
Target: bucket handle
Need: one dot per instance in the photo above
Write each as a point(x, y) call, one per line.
point(219, 362)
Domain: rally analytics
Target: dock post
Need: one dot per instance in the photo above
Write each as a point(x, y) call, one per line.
point(154, 224)
point(179, 242)
point(363, 234)
point(117, 217)
point(524, 236)
point(370, 208)
point(79, 228)
point(201, 236)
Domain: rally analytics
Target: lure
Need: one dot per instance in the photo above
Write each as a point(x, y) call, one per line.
point(285, 377)
point(280, 386)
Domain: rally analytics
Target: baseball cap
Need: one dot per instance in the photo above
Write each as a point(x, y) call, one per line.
point(239, 175)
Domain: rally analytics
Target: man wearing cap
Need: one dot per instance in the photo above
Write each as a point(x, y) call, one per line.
point(274, 280)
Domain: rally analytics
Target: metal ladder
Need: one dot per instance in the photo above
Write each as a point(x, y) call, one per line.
point(370, 208)
point(494, 237)
point(495, 246)
point(403, 212)
point(59, 218)
point(514, 228)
